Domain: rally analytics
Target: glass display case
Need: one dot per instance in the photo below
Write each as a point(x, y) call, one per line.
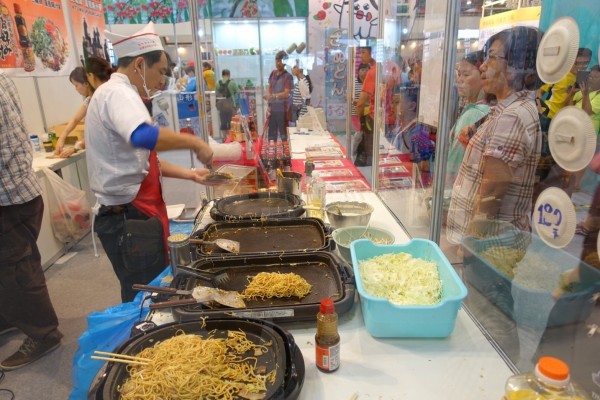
point(247, 48)
point(486, 144)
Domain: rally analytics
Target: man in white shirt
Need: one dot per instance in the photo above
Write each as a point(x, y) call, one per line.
point(123, 166)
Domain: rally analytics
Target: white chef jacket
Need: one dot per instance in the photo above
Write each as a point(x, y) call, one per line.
point(116, 169)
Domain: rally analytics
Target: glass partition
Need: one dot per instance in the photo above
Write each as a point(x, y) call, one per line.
point(486, 143)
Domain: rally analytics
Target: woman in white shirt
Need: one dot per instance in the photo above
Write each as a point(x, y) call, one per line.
point(301, 94)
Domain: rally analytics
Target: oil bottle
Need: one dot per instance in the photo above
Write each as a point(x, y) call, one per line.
point(327, 339)
point(549, 380)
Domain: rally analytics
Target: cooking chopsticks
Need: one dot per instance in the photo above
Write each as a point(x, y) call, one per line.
point(122, 358)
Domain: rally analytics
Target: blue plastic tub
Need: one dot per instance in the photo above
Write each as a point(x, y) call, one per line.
point(384, 319)
point(524, 305)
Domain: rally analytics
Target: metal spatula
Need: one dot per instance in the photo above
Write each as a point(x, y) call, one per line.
point(226, 244)
point(200, 294)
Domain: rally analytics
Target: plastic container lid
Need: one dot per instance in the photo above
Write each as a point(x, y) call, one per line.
point(572, 138)
point(555, 217)
point(557, 50)
point(553, 371)
point(33, 136)
point(327, 306)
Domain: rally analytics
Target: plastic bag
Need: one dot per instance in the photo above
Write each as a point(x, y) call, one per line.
point(70, 212)
point(106, 330)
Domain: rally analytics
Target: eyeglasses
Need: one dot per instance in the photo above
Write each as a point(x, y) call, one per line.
point(493, 57)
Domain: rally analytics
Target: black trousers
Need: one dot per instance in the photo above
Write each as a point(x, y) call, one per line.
point(110, 226)
point(24, 298)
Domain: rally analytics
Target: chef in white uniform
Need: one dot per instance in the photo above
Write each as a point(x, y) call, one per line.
point(123, 166)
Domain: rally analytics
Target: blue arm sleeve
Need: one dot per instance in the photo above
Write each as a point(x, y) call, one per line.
point(145, 136)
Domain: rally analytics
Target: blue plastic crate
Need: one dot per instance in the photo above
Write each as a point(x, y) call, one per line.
point(384, 319)
point(523, 305)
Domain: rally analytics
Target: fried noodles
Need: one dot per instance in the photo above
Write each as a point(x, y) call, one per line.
point(266, 285)
point(187, 367)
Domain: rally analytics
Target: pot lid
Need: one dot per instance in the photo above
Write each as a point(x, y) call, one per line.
point(572, 138)
point(558, 50)
point(554, 217)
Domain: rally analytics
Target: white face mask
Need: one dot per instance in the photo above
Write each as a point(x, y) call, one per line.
point(144, 81)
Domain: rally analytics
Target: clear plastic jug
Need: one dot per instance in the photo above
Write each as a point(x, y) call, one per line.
point(549, 381)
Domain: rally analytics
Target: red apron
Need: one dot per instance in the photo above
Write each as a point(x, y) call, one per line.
point(149, 198)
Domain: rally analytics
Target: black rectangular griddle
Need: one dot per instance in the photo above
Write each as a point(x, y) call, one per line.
point(326, 272)
point(269, 236)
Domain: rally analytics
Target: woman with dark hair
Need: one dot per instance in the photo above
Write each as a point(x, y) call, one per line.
point(496, 178)
point(97, 71)
point(470, 90)
point(301, 93)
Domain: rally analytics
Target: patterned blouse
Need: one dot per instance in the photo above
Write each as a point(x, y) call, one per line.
point(511, 134)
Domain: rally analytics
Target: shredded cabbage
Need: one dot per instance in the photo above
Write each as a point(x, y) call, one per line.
point(402, 279)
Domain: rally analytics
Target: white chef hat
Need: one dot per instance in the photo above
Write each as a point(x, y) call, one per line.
point(141, 42)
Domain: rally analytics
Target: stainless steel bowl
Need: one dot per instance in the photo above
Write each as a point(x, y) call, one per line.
point(348, 213)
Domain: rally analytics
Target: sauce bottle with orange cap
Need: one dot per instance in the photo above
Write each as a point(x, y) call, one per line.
point(327, 339)
point(549, 380)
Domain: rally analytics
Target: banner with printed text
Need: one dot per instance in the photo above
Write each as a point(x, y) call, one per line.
point(34, 39)
point(87, 21)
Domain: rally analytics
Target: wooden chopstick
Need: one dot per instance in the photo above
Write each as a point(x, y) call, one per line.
point(116, 357)
point(120, 360)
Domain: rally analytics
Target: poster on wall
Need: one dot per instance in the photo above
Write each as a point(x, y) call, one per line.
point(170, 11)
point(33, 38)
point(87, 21)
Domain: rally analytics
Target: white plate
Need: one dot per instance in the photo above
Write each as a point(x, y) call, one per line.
point(175, 210)
point(558, 50)
point(572, 138)
point(554, 217)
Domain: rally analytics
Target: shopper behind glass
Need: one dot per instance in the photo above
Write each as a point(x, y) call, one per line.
point(551, 99)
point(281, 83)
point(365, 108)
point(226, 104)
point(209, 76)
point(123, 167)
point(495, 180)
point(358, 83)
point(301, 94)
point(97, 71)
point(24, 300)
point(190, 72)
point(470, 89)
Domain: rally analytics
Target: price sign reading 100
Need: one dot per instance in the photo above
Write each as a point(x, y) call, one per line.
point(550, 216)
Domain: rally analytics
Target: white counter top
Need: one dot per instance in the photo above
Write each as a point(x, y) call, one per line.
point(40, 160)
point(301, 139)
point(463, 366)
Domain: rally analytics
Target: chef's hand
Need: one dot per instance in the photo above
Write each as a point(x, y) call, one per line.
point(60, 146)
point(203, 152)
point(67, 152)
point(198, 174)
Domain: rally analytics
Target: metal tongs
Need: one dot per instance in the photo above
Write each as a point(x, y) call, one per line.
point(200, 294)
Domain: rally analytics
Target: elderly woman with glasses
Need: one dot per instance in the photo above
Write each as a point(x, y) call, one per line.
point(496, 178)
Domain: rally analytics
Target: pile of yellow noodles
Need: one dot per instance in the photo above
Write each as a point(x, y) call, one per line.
point(276, 284)
point(187, 367)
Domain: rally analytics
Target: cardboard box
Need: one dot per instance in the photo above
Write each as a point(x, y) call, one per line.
point(76, 133)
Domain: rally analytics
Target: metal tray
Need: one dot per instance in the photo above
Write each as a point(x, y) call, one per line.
point(271, 236)
point(284, 354)
point(257, 206)
point(326, 272)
